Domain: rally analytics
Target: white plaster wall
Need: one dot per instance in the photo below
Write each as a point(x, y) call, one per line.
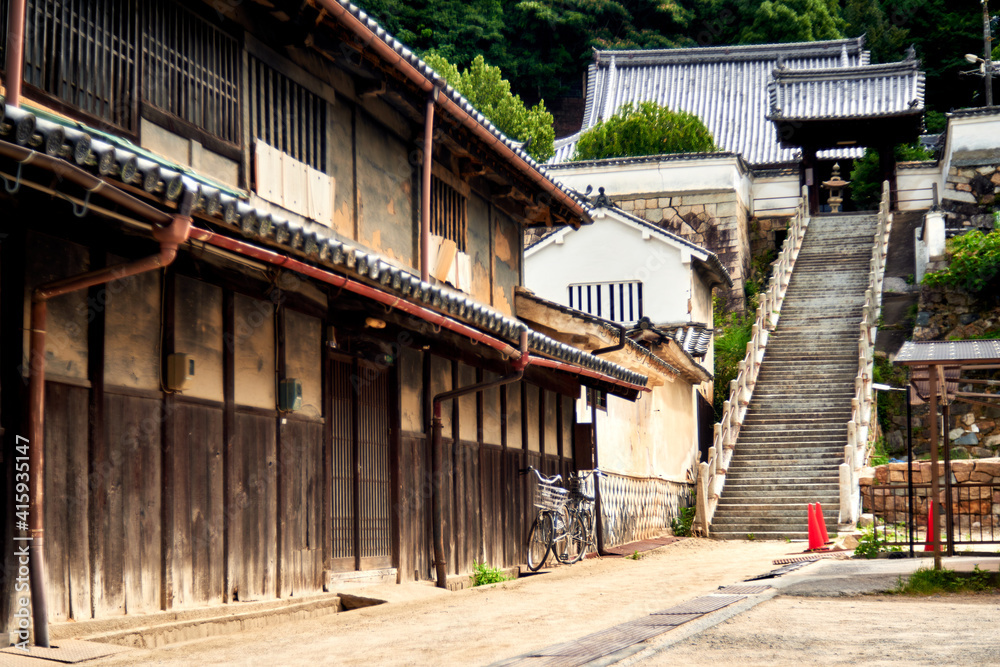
point(656, 436)
point(775, 195)
point(972, 133)
point(915, 186)
point(611, 251)
point(678, 176)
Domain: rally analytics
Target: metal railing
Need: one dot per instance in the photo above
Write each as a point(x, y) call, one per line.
point(860, 435)
point(712, 474)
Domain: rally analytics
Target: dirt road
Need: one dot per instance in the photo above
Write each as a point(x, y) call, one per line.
point(425, 626)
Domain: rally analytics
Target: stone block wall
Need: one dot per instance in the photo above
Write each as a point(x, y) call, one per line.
point(947, 314)
point(971, 195)
point(713, 219)
point(765, 234)
point(973, 430)
point(971, 505)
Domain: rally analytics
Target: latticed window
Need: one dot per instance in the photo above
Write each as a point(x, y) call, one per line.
point(449, 212)
point(191, 69)
point(619, 302)
point(83, 53)
point(287, 116)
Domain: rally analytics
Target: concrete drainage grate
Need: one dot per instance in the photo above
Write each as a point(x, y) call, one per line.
point(702, 605)
point(67, 651)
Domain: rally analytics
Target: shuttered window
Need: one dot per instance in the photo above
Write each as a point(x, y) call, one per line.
point(191, 69)
point(286, 116)
point(449, 212)
point(83, 53)
point(618, 302)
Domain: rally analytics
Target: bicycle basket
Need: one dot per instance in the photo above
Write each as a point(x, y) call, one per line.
point(549, 496)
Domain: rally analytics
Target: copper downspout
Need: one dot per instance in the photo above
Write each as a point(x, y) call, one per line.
point(14, 69)
point(425, 190)
point(437, 507)
point(169, 238)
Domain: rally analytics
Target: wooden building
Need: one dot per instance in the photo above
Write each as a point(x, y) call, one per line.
point(244, 411)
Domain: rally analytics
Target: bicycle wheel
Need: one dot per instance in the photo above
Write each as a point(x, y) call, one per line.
point(576, 541)
point(539, 541)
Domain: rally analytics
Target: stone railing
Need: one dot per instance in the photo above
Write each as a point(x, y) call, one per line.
point(638, 508)
point(859, 432)
point(712, 474)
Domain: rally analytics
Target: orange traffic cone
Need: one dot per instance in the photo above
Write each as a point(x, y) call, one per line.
point(815, 539)
point(929, 541)
point(821, 523)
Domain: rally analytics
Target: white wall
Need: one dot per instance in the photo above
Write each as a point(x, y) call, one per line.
point(612, 251)
point(775, 196)
point(915, 186)
point(674, 176)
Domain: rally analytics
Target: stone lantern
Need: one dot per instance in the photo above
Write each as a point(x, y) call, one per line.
point(836, 187)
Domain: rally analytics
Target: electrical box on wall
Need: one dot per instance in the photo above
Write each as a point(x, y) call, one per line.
point(180, 371)
point(290, 395)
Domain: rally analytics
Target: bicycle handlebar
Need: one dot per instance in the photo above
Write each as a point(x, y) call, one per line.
point(539, 475)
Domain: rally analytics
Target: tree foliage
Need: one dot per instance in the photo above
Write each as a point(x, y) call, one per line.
point(644, 129)
point(774, 21)
point(484, 86)
point(866, 179)
point(974, 264)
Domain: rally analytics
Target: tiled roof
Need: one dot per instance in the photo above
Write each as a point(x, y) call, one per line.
point(892, 89)
point(693, 338)
point(81, 146)
point(725, 86)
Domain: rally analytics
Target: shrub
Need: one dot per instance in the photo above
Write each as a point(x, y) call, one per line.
point(644, 129)
point(681, 525)
point(483, 574)
point(974, 265)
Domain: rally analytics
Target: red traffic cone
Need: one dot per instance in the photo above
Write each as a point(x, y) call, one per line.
point(929, 540)
point(815, 539)
point(821, 523)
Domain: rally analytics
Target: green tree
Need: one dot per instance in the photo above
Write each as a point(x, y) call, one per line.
point(792, 21)
point(644, 129)
point(486, 89)
point(885, 39)
point(866, 179)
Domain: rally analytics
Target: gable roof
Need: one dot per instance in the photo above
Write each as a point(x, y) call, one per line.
point(725, 86)
point(891, 89)
point(708, 259)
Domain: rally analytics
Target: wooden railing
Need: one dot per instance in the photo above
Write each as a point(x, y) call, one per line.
point(638, 508)
point(712, 474)
point(859, 434)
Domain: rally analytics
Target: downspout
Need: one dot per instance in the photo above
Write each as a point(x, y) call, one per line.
point(601, 550)
point(437, 508)
point(169, 238)
point(425, 190)
point(14, 69)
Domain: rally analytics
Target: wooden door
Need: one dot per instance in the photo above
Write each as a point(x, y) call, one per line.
point(361, 422)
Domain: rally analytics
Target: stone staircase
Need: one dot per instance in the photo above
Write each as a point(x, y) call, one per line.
point(793, 436)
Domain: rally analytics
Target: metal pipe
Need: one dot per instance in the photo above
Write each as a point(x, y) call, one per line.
point(387, 53)
point(169, 239)
point(935, 483)
point(909, 466)
point(437, 506)
point(15, 52)
point(613, 348)
point(987, 59)
point(425, 190)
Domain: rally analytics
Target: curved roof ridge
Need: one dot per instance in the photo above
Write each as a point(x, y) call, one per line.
point(771, 51)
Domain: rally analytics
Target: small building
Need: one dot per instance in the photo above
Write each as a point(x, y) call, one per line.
point(624, 282)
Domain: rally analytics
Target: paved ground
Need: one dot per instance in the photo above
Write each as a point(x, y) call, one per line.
point(795, 622)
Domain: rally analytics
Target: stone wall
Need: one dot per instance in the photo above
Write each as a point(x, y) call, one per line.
point(713, 219)
point(947, 314)
point(971, 194)
point(973, 430)
point(973, 505)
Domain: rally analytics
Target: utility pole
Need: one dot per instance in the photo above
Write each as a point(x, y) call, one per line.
point(988, 48)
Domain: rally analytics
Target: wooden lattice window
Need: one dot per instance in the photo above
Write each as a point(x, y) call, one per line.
point(287, 116)
point(619, 302)
point(83, 53)
point(191, 70)
point(449, 212)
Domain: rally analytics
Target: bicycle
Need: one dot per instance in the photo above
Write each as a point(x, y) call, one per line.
point(564, 522)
